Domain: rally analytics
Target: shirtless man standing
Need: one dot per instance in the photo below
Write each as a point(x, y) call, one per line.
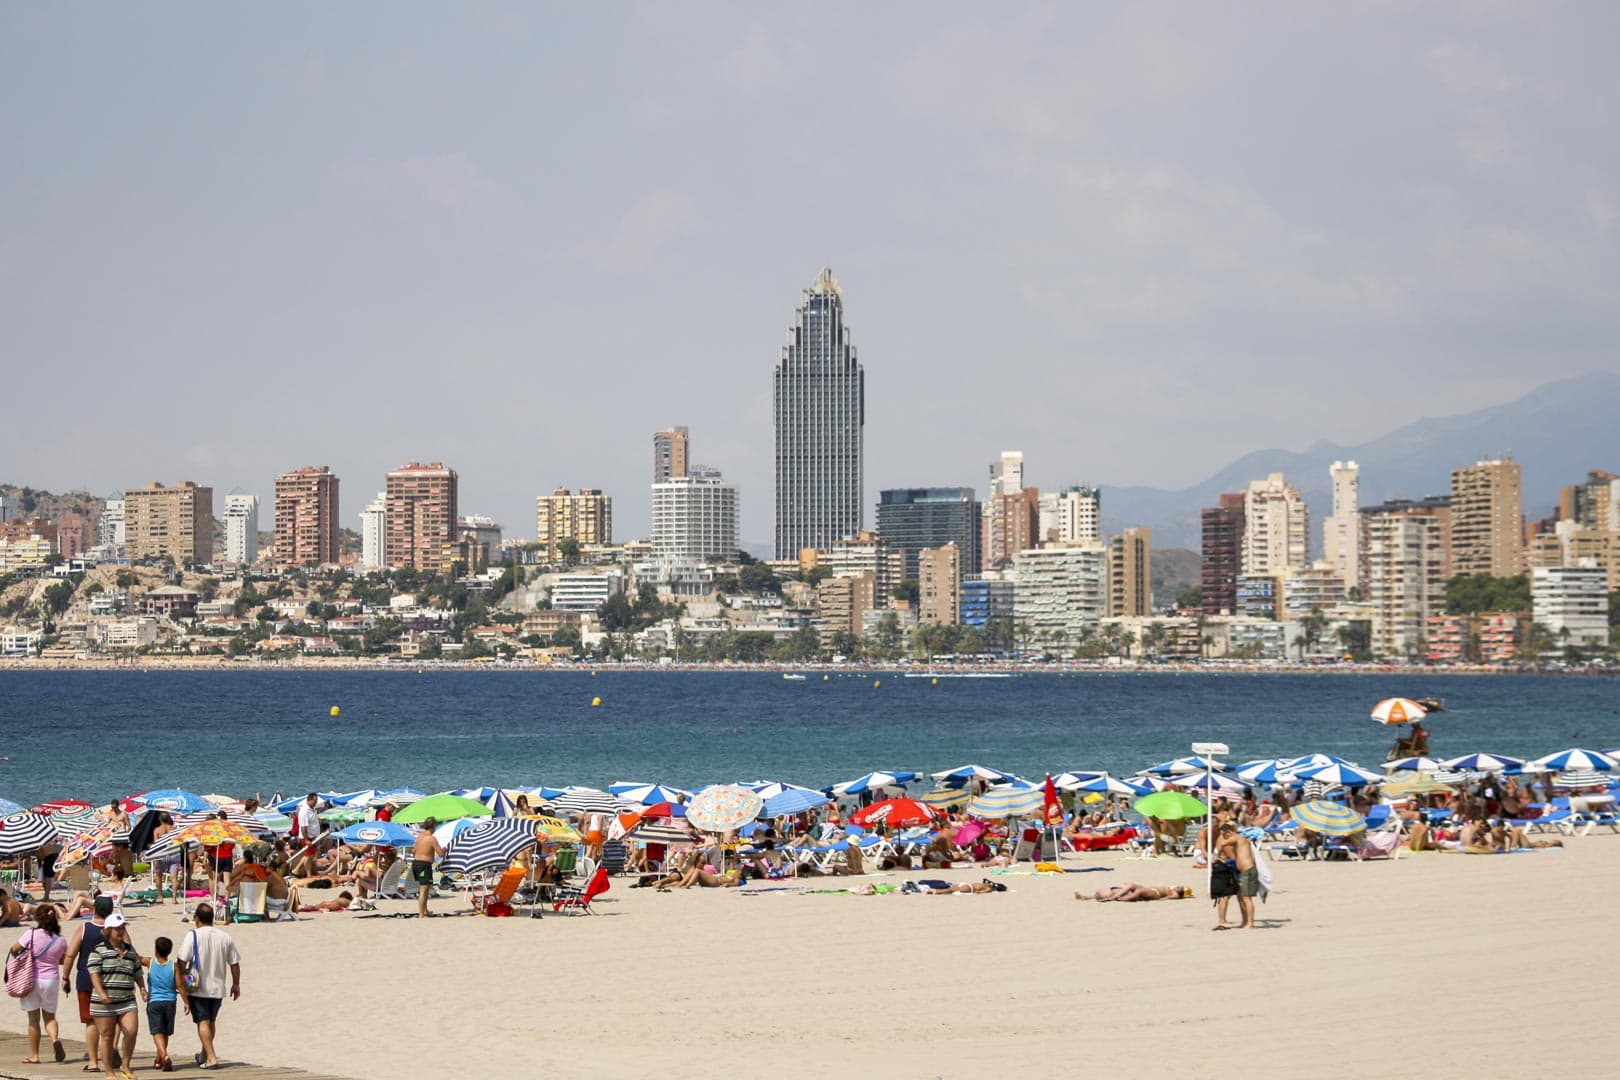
point(1234, 846)
point(423, 852)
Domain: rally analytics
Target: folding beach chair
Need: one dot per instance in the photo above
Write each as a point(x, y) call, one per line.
point(388, 886)
point(578, 901)
point(493, 901)
point(249, 906)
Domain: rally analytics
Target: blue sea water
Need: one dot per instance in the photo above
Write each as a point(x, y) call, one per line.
point(100, 734)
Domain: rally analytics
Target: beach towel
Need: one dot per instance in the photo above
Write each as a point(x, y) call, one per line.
point(1262, 867)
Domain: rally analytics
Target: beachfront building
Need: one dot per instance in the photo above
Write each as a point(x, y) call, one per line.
point(18, 641)
point(844, 599)
point(18, 551)
point(1060, 591)
point(986, 600)
point(1012, 523)
point(307, 517)
point(694, 517)
point(585, 517)
point(1474, 639)
point(1487, 519)
point(1572, 603)
point(374, 533)
point(241, 520)
point(110, 527)
point(866, 551)
point(1276, 528)
point(1318, 587)
point(420, 516)
point(1341, 531)
point(585, 591)
point(1222, 555)
point(170, 522)
point(1259, 596)
point(1570, 544)
point(939, 589)
point(819, 400)
point(1073, 515)
point(1130, 572)
point(1406, 574)
point(1594, 504)
point(1169, 638)
point(671, 451)
point(915, 519)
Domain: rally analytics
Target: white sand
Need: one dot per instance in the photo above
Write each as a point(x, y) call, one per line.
point(1433, 965)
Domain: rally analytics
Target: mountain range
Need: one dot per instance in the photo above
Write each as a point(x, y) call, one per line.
point(1557, 432)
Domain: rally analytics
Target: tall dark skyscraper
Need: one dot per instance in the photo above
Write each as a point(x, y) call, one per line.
point(912, 519)
point(820, 412)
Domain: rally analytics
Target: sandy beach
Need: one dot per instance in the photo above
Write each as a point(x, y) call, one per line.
point(1412, 967)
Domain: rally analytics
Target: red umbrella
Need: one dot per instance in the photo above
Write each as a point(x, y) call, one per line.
point(63, 806)
point(896, 813)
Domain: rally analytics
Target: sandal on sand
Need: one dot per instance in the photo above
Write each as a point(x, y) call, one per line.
point(59, 1050)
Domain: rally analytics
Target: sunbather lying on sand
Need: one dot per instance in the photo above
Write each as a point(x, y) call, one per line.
point(1132, 893)
point(697, 875)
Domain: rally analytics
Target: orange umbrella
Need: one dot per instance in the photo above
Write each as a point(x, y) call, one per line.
point(213, 832)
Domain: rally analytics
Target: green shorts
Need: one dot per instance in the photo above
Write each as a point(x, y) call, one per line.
point(1249, 882)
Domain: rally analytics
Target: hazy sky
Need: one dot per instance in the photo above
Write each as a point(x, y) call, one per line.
point(1134, 241)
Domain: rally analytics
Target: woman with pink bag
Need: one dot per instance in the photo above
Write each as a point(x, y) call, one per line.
point(43, 947)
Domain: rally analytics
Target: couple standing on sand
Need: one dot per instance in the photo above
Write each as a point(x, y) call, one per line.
point(1236, 873)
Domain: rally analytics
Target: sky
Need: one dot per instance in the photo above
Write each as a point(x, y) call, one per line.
point(1134, 241)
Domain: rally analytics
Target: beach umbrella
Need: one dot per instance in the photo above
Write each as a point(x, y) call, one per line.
point(968, 833)
point(1414, 764)
point(380, 833)
point(723, 808)
point(1170, 806)
point(273, 821)
point(1110, 785)
point(444, 807)
point(1208, 780)
point(63, 807)
point(1482, 763)
point(645, 794)
point(584, 800)
point(68, 825)
point(895, 813)
point(239, 818)
point(212, 832)
point(1576, 759)
point(655, 833)
point(1183, 765)
point(1010, 800)
point(552, 829)
point(345, 815)
point(487, 844)
point(943, 797)
point(793, 801)
point(665, 810)
point(85, 844)
point(1313, 761)
point(1328, 818)
point(1073, 778)
point(1581, 780)
point(962, 774)
point(1339, 775)
point(874, 781)
point(174, 800)
point(1411, 783)
point(1398, 710)
point(7, 808)
point(400, 796)
point(22, 832)
point(480, 794)
point(500, 805)
point(447, 832)
point(1263, 771)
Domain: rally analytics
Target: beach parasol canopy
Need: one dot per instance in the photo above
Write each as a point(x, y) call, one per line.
point(442, 807)
point(68, 826)
point(1262, 771)
point(1203, 781)
point(659, 833)
point(273, 822)
point(22, 832)
point(488, 844)
point(1170, 806)
point(552, 829)
point(345, 815)
point(1112, 785)
point(381, 833)
point(962, 774)
point(943, 797)
point(400, 796)
point(1481, 763)
point(212, 832)
point(1073, 778)
point(968, 833)
point(85, 844)
point(1398, 710)
point(1328, 818)
point(585, 800)
point(1414, 764)
point(1183, 765)
point(1576, 760)
point(63, 807)
point(873, 781)
point(793, 801)
point(1339, 775)
point(1412, 783)
point(645, 794)
point(1007, 800)
point(895, 813)
point(723, 808)
point(174, 800)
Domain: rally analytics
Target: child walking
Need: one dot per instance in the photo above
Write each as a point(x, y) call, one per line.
point(160, 1000)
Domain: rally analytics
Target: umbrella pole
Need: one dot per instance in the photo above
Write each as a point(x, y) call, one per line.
point(1209, 826)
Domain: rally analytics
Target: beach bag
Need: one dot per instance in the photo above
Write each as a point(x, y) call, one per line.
point(21, 972)
point(193, 976)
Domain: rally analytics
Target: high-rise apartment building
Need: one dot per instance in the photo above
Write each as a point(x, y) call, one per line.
point(1591, 505)
point(307, 517)
point(1572, 603)
point(844, 600)
point(820, 414)
point(914, 519)
point(170, 521)
point(1007, 473)
point(1012, 523)
point(939, 585)
point(1223, 555)
point(1075, 516)
point(483, 532)
point(1276, 528)
point(1130, 573)
point(1487, 519)
point(986, 600)
point(866, 551)
point(694, 518)
point(671, 451)
point(241, 527)
point(1060, 591)
point(1341, 531)
point(110, 526)
point(374, 533)
point(420, 516)
point(585, 517)
point(1406, 573)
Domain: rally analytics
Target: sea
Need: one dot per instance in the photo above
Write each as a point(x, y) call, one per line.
point(99, 735)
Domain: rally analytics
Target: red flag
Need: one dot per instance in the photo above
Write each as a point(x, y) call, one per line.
point(1054, 808)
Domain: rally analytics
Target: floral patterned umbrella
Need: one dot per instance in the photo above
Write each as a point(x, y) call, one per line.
point(213, 832)
point(86, 844)
point(723, 808)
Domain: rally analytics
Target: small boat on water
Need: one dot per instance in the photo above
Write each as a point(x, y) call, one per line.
point(792, 676)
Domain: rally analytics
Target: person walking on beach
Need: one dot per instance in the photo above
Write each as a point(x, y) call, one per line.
point(115, 975)
point(423, 852)
point(1233, 847)
point(46, 945)
point(76, 962)
point(160, 1000)
point(306, 832)
point(207, 955)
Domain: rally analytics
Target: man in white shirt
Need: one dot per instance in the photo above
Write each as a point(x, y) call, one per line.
point(207, 955)
point(306, 830)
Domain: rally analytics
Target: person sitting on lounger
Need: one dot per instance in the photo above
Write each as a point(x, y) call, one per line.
point(1134, 893)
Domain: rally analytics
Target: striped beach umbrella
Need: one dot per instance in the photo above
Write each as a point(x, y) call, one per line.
point(1261, 771)
point(273, 821)
point(874, 781)
point(1398, 710)
point(940, 798)
point(494, 842)
point(380, 833)
point(1203, 781)
point(723, 808)
point(400, 796)
point(345, 815)
point(645, 794)
point(1412, 783)
point(174, 800)
point(22, 832)
point(793, 801)
point(1574, 760)
point(87, 843)
point(1112, 785)
point(1313, 761)
point(585, 800)
point(238, 818)
point(1180, 765)
point(68, 825)
point(1329, 818)
point(1418, 764)
point(1073, 778)
point(963, 773)
point(1482, 763)
point(1005, 801)
point(1584, 779)
point(1339, 775)
point(653, 832)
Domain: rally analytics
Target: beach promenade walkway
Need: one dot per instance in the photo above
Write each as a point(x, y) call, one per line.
point(14, 1047)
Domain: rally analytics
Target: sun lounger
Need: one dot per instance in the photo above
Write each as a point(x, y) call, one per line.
point(578, 901)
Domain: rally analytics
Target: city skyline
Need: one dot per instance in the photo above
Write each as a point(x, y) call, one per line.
point(1136, 219)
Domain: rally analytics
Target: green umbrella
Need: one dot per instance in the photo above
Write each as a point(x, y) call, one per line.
point(344, 815)
point(1169, 806)
point(441, 808)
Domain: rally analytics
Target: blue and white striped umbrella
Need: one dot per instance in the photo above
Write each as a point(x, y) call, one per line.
point(1263, 771)
point(500, 805)
point(477, 794)
point(1419, 764)
point(174, 800)
point(1108, 785)
point(1583, 779)
point(380, 833)
point(1205, 780)
point(1339, 775)
point(1483, 763)
point(1073, 778)
point(1177, 766)
point(964, 773)
point(400, 797)
point(1313, 761)
point(1007, 800)
point(646, 794)
point(492, 842)
point(872, 781)
point(584, 800)
point(793, 801)
point(1577, 760)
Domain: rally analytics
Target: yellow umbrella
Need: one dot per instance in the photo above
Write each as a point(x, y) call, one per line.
point(213, 832)
point(944, 797)
point(555, 830)
point(1411, 783)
